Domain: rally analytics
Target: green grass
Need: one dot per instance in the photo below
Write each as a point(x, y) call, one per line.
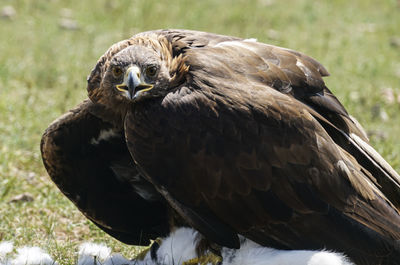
point(43, 71)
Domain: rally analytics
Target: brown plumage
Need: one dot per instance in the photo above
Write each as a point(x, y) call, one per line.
point(244, 137)
point(86, 156)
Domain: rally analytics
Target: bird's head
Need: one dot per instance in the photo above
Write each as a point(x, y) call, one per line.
point(145, 68)
point(136, 73)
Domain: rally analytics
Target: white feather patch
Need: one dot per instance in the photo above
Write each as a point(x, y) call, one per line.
point(5, 249)
point(246, 44)
point(181, 244)
point(303, 68)
point(179, 247)
point(93, 254)
point(32, 256)
point(252, 253)
point(103, 136)
point(250, 40)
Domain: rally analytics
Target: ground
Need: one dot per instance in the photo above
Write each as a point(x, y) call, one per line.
point(48, 47)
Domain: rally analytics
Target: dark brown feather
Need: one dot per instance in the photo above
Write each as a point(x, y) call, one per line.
point(98, 175)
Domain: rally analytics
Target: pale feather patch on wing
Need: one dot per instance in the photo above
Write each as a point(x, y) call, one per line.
point(303, 68)
point(103, 136)
point(141, 187)
point(359, 127)
point(237, 43)
point(342, 166)
point(145, 193)
point(250, 40)
point(377, 158)
point(359, 183)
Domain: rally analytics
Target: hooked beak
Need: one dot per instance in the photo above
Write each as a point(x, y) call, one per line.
point(133, 86)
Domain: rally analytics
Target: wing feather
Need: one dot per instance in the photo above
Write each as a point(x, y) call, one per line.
point(94, 170)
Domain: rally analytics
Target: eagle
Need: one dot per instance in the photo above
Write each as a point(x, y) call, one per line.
point(230, 136)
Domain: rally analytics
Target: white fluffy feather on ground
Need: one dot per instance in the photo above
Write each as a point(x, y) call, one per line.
point(5, 249)
point(178, 247)
point(24, 256)
point(94, 254)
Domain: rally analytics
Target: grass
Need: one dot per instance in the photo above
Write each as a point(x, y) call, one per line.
point(43, 70)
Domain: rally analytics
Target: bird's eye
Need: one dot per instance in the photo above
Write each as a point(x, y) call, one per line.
point(117, 72)
point(151, 71)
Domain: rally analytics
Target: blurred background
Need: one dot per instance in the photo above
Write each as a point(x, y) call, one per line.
point(48, 47)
